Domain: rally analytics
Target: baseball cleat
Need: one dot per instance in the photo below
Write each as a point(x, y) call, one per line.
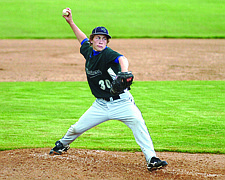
point(59, 149)
point(156, 163)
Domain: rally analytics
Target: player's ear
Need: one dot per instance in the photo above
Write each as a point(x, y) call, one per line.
point(91, 38)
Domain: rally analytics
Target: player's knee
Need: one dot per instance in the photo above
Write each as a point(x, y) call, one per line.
point(76, 129)
point(72, 129)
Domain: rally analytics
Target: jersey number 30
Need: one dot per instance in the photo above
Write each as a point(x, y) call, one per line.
point(104, 84)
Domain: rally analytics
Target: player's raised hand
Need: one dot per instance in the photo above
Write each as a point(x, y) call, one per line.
point(67, 14)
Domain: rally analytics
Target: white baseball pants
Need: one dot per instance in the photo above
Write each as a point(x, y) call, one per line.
point(124, 110)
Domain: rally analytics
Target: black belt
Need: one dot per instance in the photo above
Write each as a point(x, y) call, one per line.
point(112, 98)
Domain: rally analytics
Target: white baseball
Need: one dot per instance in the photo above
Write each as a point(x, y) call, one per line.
point(65, 12)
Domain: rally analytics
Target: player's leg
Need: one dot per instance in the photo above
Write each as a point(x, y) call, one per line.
point(127, 112)
point(95, 115)
point(143, 139)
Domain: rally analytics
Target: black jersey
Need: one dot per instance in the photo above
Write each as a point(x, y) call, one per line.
point(100, 69)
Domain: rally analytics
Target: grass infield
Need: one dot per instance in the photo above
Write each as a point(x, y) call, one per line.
point(182, 116)
point(123, 18)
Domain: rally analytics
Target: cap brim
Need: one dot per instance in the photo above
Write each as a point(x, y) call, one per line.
point(103, 34)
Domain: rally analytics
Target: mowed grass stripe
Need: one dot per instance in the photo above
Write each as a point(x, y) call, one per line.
point(185, 116)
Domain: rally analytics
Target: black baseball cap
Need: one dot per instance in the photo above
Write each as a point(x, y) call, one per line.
point(101, 30)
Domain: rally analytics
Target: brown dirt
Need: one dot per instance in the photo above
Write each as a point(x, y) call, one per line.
point(150, 59)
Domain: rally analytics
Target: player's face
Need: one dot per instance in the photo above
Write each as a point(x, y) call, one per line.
point(99, 42)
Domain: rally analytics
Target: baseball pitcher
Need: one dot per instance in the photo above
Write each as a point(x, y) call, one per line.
point(109, 80)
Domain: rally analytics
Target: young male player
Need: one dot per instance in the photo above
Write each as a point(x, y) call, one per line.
point(103, 68)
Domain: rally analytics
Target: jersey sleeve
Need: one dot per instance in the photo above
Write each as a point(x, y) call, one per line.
point(117, 59)
point(112, 56)
point(86, 39)
point(85, 49)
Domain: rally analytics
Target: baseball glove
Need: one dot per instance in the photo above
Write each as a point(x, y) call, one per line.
point(122, 81)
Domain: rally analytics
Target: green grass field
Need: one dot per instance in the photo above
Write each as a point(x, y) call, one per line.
point(183, 116)
point(123, 18)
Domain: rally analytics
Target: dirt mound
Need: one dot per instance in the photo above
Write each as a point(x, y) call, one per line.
point(94, 164)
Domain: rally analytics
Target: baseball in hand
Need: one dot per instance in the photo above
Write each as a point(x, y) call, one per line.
point(65, 12)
